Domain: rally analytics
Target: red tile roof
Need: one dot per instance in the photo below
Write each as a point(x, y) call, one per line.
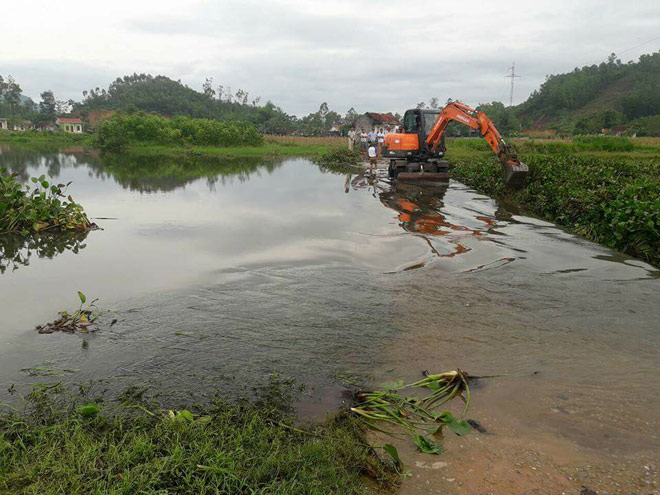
point(382, 118)
point(66, 120)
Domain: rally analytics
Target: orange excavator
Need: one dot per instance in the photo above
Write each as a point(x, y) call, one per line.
point(417, 153)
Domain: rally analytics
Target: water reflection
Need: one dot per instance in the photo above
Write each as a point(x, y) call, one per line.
point(148, 173)
point(16, 250)
point(421, 211)
point(143, 173)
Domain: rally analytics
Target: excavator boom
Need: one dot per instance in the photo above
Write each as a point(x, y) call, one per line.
point(515, 172)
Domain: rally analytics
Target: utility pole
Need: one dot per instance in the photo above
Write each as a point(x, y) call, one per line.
point(512, 75)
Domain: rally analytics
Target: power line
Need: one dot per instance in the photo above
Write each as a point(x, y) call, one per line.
point(637, 46)
point(512, 75)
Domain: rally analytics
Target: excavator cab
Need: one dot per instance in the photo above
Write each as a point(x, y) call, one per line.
point(420, 121)
point(411, 158)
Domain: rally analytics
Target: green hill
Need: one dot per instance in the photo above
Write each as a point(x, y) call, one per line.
point(162, 95)
point(597, 96)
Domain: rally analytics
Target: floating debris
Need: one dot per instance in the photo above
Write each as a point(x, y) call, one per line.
point(417, 415)
point(47, 371)
point(80, 321)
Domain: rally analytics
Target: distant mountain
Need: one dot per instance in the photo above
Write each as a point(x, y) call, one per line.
point(597, 96)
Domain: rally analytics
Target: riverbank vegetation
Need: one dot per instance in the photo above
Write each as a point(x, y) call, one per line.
point(339, 160)
point(43, 208)
point(82, 445)
point(45, 141)
point(117, 132)
point(611, 197)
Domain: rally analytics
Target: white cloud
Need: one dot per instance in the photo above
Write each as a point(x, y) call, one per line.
point(372, 56)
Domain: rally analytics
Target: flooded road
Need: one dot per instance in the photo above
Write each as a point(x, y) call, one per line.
point(221, 272)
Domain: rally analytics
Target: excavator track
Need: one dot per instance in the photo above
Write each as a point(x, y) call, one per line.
point(420, 172)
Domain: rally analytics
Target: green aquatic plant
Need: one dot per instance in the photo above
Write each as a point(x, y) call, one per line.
point(389, 408)
point(81, 320)
point(339, 160)
point(44, 208)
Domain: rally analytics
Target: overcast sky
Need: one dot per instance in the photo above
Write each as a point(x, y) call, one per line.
point(374, 56)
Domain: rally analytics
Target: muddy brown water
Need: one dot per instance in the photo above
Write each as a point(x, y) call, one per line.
point(220, 272)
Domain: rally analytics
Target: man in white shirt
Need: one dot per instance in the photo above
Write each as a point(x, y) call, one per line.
point(351, 138)
point(373, 157)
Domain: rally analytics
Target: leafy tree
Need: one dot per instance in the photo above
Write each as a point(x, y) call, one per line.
point(586, 126)
point(611, 117)
point(351, 117)
point(47, 104)
point(323, 110)
point(12, 92)
point(63, 107)
point(207, 88)
point(504, 118)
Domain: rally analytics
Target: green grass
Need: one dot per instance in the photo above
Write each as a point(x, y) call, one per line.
point(45, 141)
point(249, 447)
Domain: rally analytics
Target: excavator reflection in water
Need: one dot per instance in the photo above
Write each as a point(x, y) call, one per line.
point(419, 212)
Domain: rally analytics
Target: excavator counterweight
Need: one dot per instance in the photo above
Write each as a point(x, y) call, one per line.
point(416, 153)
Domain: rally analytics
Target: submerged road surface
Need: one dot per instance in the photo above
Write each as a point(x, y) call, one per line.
point(220, 272)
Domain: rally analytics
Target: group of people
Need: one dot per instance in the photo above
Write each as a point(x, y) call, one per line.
point(374, 137)
point(371, 143)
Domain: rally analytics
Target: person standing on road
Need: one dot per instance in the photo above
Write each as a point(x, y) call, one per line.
point(373, 137)
point(373, 157)
point(351, 138)
point(363, 140)
point(381, 140)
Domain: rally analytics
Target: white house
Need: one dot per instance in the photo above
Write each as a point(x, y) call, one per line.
point(15, 125)
point(73, 125)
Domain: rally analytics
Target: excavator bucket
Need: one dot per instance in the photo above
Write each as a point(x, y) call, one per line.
point(515, 173)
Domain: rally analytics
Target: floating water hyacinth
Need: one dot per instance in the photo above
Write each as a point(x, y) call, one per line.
point(381, 408)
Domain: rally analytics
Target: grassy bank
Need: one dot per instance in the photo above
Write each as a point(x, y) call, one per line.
point(251, 447)
point(270, 146)
point(45, 141)
point(609, 197)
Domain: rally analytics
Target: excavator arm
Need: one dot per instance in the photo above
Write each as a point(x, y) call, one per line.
point(515, 172)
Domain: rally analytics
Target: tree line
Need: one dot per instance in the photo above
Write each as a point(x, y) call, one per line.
point(562, 100)
point(16, 107)
point(570, 100)
point(162, 95)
